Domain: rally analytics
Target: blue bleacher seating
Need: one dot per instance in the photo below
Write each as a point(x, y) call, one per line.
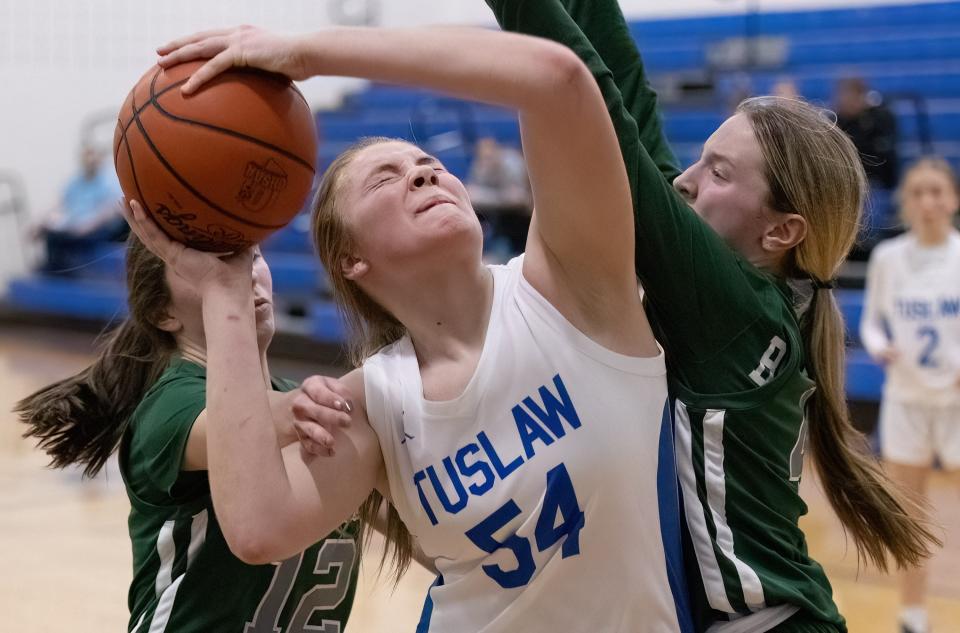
point(930, 81)
point(293, 238)
point(79, 298)
point(850, 21)
point(850, 302)
point(326, 324)
point(297, 273)
point(864, 378)
point(907, 52)
point(107, 263)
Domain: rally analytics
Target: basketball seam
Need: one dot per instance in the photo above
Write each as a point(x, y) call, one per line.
point(149, 102)
point(189, 187)
point(300, 94)
point(133, 168)
point(240, 135)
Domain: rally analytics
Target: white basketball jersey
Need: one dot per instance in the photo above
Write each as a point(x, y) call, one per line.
point(546, 492)
point(913, 300)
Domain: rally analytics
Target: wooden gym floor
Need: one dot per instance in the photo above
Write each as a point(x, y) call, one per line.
point(65, 557)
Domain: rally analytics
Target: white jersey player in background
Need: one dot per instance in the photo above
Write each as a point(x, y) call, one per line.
point(514, 416)
point(911, 324)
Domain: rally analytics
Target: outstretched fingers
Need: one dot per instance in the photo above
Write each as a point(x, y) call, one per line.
point(193, 38)
point(222, 61)
point(224, 48)
point(204, 49)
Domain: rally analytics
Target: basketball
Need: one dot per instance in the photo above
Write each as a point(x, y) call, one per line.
point(221, 169)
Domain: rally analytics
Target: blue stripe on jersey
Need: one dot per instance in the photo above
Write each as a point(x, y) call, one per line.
point(424, 625)
point(670, 530)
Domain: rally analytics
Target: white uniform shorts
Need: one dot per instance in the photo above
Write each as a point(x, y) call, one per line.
point(914, 434)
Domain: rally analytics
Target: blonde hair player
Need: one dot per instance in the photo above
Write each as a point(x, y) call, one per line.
point(514, 416)
point(911, 324)
point(737, 257)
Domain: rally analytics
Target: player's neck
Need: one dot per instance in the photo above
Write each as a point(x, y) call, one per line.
point(447, 326)
point(192, 352)
point(773, 264)
point(197, 354)
point(932, 237)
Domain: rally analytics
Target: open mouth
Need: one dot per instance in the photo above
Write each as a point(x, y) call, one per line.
point(259, 303)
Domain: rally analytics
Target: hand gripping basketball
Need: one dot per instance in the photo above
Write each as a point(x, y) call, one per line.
point(243, 46)
point(222, 168)
point(199, 268)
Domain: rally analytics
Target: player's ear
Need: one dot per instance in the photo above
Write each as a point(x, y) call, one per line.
point(169, 324)
point(353, 267)
point(788, 230)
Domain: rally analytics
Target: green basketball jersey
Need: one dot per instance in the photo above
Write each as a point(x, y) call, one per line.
point(735, 359)
point(184, 576)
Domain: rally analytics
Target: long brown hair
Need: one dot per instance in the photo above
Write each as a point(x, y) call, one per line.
point(370, 326)
point(814, 170)
point(81, 419)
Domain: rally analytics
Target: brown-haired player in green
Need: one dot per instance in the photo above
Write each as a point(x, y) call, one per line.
point(146, 393)
point(737, 256)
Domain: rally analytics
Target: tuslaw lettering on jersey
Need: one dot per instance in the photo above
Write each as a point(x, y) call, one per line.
point(917, 309)
point(475, 467)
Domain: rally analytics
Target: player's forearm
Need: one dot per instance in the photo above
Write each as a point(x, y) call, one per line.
point(873, 337)
point(514, 71)
point(597, 31)
point(195, 454)
point(248, 480)
point(282, 415)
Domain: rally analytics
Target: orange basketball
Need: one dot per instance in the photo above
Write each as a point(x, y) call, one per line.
point(221, 169)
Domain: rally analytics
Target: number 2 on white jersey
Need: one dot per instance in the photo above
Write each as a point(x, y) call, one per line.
point(932, 340)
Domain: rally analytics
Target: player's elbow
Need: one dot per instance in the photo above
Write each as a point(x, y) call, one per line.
point(564, 76)
point(254, 545)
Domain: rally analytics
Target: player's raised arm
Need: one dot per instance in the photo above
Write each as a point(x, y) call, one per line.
point(291, 499)
point(582, 227)
point(597, 31)
point(675, 249)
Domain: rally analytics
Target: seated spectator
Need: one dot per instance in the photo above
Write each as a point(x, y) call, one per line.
point(500, 191)
point(872, 127)
point(498, 176)
point(87, 214)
